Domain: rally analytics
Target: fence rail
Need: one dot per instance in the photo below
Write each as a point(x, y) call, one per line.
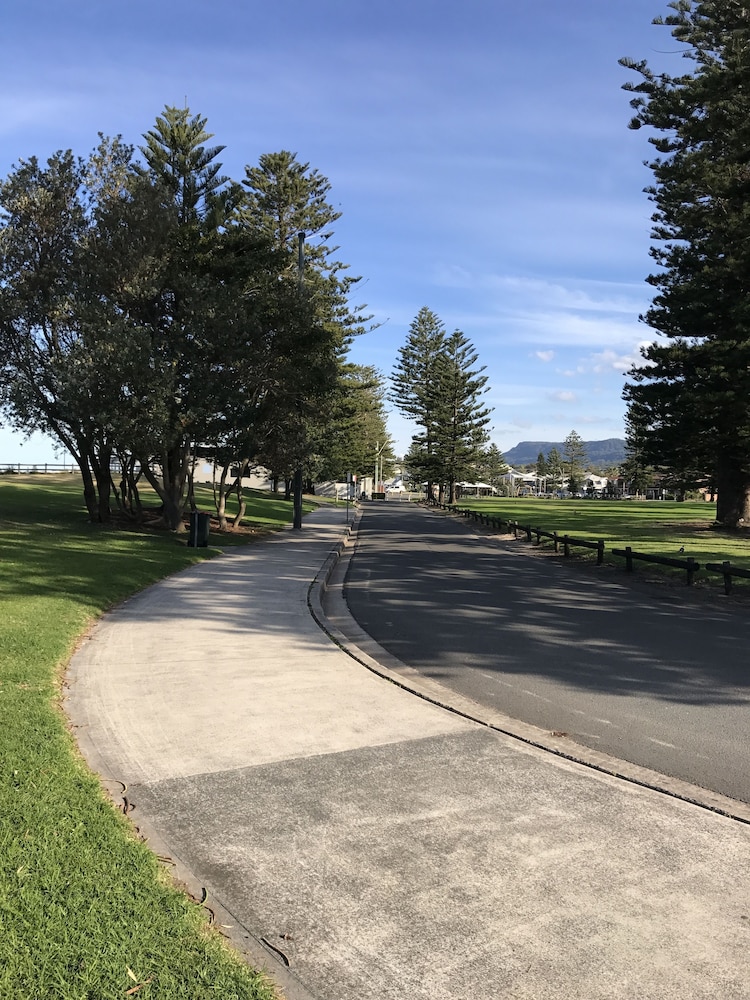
point(688, 564)
point(728, 571)
point(567, 541)
point(11, 468)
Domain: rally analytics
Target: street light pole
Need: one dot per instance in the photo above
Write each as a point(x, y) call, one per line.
point(379, 449)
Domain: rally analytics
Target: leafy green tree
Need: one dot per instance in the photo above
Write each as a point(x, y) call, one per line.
point(491, 466)
point(692, 393)
point(146, 310)
point(434, 383)
point(176, 156)
point(286, 203)
point(636, 471)
point(415, 390)
point(358, 427)
point(555, 469)
point(419, 467)
point(58, 366)
point(173, 312)
point(574, 459)
point(461, 419)
point(283, 200)
point(542, 470)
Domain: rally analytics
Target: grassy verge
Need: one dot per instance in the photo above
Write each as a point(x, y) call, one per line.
point(265, 512)
point(86, 910)
point(654, 527)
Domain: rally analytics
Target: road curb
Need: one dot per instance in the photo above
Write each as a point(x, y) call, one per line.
point(374, 658)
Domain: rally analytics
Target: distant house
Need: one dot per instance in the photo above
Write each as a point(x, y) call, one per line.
point(521, 483)
point(595, 486)
point(474, 490)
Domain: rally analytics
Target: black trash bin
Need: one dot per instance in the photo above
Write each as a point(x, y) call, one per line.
point(200, 525)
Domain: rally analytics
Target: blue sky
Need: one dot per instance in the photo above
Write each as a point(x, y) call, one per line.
point(479, 153)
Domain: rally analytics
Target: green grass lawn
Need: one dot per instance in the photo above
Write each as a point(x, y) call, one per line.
point(265, 512)
point(655, 527)
point(87, 912)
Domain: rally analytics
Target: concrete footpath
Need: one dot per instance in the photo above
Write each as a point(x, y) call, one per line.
point(361, 843)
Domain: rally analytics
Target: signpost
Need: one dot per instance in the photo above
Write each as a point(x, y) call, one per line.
point(351, 490)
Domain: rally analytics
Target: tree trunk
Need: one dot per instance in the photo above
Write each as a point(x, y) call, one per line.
point(190, 501)
point(237, 485)
point(82, 454)
point(89, 489)
point(221, 498)
point(101, 466)
point(733, 495)
point(129, 487)
point(170, 485)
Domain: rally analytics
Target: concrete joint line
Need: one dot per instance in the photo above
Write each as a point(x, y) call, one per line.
point(592, 759)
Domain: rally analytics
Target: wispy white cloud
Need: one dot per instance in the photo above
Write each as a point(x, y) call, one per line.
point(545, 356)
point(611, 361)
point(553, 314)
point(563, 396)
point(607, 361)
point(579, 294)
point(572, 329)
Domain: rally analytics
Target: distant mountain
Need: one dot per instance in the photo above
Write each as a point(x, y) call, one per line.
point(600, 453)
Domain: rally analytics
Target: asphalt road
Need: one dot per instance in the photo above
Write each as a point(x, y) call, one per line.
point(645, 674)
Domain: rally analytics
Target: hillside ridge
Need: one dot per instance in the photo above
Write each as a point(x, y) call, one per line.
point(610, 451)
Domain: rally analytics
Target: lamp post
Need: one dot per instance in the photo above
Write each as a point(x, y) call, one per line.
point(379, 449)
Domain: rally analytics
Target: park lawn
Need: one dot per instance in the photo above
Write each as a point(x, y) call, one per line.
point(655, 527)
point(265, 512)
point(87, 912)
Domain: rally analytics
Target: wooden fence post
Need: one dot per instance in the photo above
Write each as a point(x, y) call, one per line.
point(629, 558)
point(599, 552)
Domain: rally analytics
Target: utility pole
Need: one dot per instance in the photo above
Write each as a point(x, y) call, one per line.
point(379, 449)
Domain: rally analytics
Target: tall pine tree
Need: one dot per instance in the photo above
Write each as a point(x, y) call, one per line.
point(691, 397)
point(435, 383)
point(286, 203)
point(461, 425)
point(415, 391)
point(574, 457)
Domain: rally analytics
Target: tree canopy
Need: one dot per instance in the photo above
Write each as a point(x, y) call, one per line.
point(437, 384)
point(690, 398)
point(152, 308)
point(574, 458)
